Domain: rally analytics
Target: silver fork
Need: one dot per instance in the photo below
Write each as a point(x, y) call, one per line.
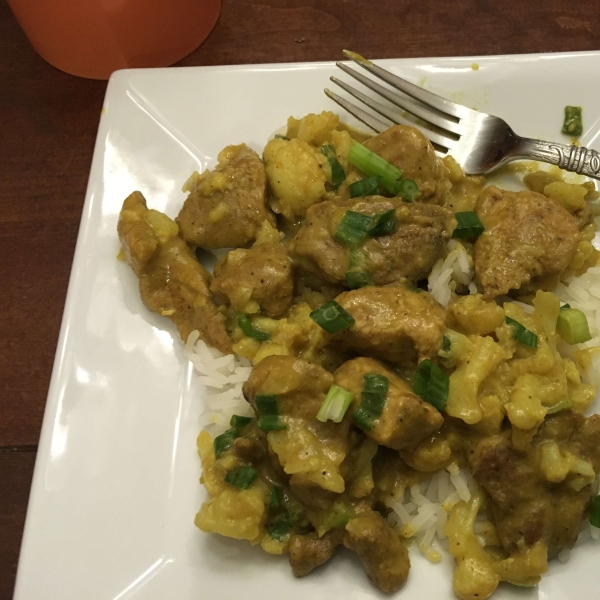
point(478, 141)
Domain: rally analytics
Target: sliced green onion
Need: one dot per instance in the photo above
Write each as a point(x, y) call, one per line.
point(364, 187)
point(352, 229)
point(241, 477)
point(446, 344)
point(268, 414)
point(409, 189)
point(279, 530)
point(266, 404)
point(522, 334)
point(572, 326)
point(372, 165)
point(358, 279)
point(564, 307)
point(358, 259)
point(275, 498)
point(383, 224)
point(335, 405)
point(338, 175)
point(562, 405)
point(595, 512)
point(374, 393)
point(432, 384)
point(572, 124)
point(282, 137)
point(239, 422)
point(337, 516)
point(271, 423)
point(332, 317)
point(415, 288)
point(469, 226)
point(224, 441)
point(249, 330)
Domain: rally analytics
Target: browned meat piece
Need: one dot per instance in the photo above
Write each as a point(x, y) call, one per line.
point(310, 451)
point(408, 253)
point(409, 150)
point(310, 551)
point(226, 207)
point(528, 239)
point(380, 550)
point(406, 419)
point(528, 508)
point(256, 279)
point(172, 282)
point(392, 323)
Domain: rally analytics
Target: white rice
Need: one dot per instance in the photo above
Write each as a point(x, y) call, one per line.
point(447, 273)
point(222, 377)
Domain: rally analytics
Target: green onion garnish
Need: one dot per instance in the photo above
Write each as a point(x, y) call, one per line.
point(469, 226)
point(364, 187)
point(266, 404)
point(562, 405)
point(357, 279)
point(275, 498)
point(374, 393)
point(572, 125)
point(332, 317)
point(282, 137)
point(409, 189)
point(335, 405)
point(595, 512)
point(338, 515)
point(352, 229)
point(239, 422)
point(338, 175)
point(224, 441)
point(564, 307)
point(383, 224)
point(271, 423)
point(432, 384)
point(522, 334)
point(268, 414)
point(241, 477)
point(279, 530)
point(446, 344)
point(372, 165)
point(249, 330)
point(572, 326)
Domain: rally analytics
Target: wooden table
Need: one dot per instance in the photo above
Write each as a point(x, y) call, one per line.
point(48, 125)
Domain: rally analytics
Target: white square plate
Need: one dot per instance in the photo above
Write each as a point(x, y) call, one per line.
point(116, 487)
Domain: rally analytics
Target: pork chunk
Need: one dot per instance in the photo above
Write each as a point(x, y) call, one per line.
point(528, 239)
point(408, 253)
point(527, 508)
point(380, 549)
point(310, 451)
point(408, 149)
point(172, 282)
point(257, 279)
point(405, 421)
point(226, 207)
point(392, 323)
point(309, 551)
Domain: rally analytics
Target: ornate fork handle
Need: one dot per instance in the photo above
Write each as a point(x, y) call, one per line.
point(577, 159)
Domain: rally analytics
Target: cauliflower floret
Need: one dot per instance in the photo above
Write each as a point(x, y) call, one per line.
point(296, 176)
point(313, 129)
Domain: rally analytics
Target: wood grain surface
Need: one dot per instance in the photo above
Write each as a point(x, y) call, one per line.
point(48, 122)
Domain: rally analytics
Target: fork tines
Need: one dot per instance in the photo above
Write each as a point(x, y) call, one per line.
point(440, 118)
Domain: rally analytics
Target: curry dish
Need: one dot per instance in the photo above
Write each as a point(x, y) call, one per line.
point(401, 324)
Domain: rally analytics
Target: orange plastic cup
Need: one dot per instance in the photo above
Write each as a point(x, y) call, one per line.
point(93, 38)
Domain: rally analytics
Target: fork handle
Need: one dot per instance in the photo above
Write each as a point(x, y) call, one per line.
point(577, 159)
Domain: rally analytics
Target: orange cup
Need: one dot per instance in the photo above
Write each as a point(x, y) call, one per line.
point(93, 38)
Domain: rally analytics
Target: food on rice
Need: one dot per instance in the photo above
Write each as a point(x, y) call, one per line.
point(383, 355)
